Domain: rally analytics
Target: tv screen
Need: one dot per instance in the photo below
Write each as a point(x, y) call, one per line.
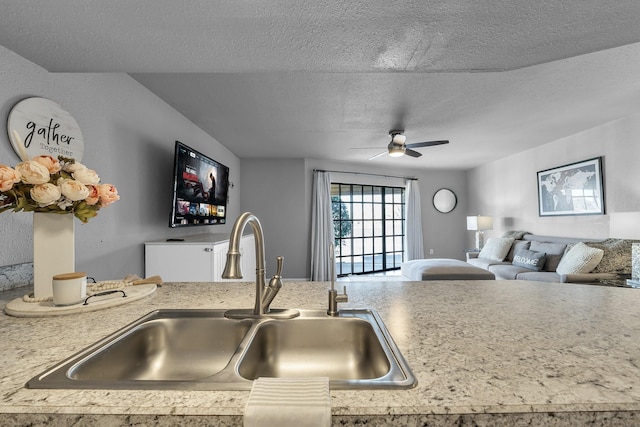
point(200, 186)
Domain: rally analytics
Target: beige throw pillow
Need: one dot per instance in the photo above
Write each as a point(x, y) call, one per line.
point(580, 259)
point(496, 248)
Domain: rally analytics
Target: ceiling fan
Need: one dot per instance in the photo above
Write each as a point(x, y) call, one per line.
point(398, 146)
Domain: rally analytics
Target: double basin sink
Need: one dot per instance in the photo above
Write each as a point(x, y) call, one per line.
point(204, 350)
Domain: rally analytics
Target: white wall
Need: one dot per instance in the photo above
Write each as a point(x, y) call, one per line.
point(129, 137)
point(279, 192)
point(507, 189)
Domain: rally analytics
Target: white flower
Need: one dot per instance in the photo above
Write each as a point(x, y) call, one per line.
point(73, 190)
point(72, 167)
point(45, 194)
point(86, 176)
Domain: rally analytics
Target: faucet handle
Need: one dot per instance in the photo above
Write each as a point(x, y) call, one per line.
point(274, 286)
point(343, 297)
point(280, 261)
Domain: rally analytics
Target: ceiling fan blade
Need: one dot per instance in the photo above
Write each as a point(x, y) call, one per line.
point(378, 155)
point(426, 144)
point(412, 153)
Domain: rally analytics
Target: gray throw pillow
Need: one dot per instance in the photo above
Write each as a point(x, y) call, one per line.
point(529, 259)
point(517, 245)
point(554, 252)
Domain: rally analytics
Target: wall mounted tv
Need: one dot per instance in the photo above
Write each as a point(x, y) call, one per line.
point(200, 187)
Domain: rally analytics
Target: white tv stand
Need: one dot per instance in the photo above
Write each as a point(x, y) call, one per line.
point(198, 258)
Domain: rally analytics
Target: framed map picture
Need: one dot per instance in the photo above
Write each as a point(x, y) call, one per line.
point(574, 189)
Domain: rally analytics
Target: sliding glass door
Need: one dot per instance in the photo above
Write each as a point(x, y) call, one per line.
point(369, 227)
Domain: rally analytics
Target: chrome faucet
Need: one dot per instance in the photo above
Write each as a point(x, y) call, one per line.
point(232, 270)
point(334, 297)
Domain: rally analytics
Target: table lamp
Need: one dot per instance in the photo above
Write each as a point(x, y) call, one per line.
point(478, 224)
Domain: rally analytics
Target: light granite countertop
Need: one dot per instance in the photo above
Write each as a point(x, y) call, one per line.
point(484, 353)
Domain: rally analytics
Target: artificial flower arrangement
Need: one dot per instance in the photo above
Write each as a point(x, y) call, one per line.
point(44, 184)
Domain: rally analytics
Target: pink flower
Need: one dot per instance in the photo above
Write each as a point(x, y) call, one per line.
point(8, 177)
point(108, 194)
point(52, 165)
point(93, 196)
point(33, 172)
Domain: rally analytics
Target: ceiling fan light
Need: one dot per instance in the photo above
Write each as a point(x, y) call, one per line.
point(396, 151)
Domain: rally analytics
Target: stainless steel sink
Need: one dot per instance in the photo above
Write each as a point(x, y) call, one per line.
point(183, 348)
point(204, 350)
point(345, 350)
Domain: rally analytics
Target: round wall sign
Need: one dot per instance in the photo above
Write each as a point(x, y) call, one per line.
point(39, 126)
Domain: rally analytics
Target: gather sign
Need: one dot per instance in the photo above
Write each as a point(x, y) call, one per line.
point(39, 126)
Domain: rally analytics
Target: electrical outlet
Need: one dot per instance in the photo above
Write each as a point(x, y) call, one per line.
point(431, 251)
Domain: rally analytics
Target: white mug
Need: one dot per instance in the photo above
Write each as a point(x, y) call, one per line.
point(69, 288)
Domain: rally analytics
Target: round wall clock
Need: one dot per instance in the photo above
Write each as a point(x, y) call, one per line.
point(39, 126)
point(445, 200)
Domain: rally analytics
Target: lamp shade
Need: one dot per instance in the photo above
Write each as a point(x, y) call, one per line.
point(478, 222)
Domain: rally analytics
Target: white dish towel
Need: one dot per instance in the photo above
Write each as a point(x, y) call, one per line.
point(284, 402)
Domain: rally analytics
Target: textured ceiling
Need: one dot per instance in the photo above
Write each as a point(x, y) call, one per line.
point(315, 78)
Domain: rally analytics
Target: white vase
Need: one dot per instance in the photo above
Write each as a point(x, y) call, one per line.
point(53, 250)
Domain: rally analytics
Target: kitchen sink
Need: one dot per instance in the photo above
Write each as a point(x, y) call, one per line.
point(204, 350)
point(181, 349)
point(344, 350)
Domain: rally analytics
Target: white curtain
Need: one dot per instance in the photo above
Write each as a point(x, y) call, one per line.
point(321, 227)
point(414, 246)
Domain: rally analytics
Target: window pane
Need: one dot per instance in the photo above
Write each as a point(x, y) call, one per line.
point(356, 193)
point(377, 194)
point(389, 211)
point(367, 194)
point(389, 195)
point(379, 262)
point(388, 228)
point(368, 245)
point(356, 229)
point(345, 229)
point(377, 245)
point(357, 246)
point(398, 211)
point(356, 211)
point(358, 264)
point(377, 211)
point(388, 241)
point(368, 263)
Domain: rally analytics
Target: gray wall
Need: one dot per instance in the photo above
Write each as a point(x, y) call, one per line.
point(129, 137)
point(275, 192)
point(279, 192)
point(507, 189)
